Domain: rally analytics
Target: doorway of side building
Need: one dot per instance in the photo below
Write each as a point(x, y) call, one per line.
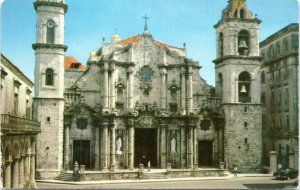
point(81, 153)
point(205, 151)
point(145, 144)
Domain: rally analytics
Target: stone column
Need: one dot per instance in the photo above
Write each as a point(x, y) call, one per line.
point(190, 90)
point(21, 172)
point(291, 159)
point(163, 154)
point(112, 88)
point(195, 146)
point(163, 73)
point(182, 146)
point(15, 183)
point(273, 161)
point(105, 85)
point(32, 170)
point(27, 166)
point(183, 90)
point(130, 145)
point(7, 177)
point(130, 87)
point(66, 147)
point(97, 149)
point(190, 147)
point(104, 142)
point(112, 147)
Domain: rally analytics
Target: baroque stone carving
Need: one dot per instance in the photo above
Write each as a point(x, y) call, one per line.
point(145, 75)
point(120, 85)
point(174, 87)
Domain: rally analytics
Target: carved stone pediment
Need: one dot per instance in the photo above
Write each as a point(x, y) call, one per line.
point(144, 122)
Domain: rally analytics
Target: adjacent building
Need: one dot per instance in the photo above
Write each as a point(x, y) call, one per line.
point(279, 94)
point(18, 130)
point(141, 100)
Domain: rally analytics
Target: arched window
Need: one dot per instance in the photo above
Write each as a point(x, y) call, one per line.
point(221, 45)
point(244, 82)
point(262, 77)
point(49, 77)
point(220, 81)
point(242, 13)
point(50, 32)
point(279, 153)
point(243, 42)
point(287, 155)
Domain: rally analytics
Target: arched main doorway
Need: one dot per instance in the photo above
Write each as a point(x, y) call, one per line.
point(145, 144)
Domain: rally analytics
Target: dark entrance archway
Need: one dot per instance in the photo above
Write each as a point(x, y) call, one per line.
point(145, 144)
point(81, 153)
point(205, 152)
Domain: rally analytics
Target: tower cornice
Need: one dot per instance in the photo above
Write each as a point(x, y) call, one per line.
point(50, 4)
point(49, 46)
point(224, 58)
point(255, 20)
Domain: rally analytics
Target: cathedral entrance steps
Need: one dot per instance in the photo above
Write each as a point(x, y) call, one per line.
point(134, 174)
point(65, 177)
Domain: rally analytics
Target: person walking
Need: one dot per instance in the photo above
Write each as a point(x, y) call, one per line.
point(235, 171)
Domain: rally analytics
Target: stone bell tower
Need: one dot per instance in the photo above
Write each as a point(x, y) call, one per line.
point(238, 83)
point(49, 85)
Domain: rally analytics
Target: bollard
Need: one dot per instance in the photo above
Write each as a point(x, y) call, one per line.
point(112, 168)
point(149, 165)
point(82, 169)
point(221, 165)
point(195, 166)
point(76, 168)
point(141, 171)
point(169, 166)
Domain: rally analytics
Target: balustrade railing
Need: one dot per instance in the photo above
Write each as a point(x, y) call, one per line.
point(70, 96)
point(212, 102)
point(10, 123)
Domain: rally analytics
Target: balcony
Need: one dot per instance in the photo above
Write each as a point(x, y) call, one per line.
point(15, 125)
point(212, 103)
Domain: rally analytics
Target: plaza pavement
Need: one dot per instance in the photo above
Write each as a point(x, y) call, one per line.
point(230, 176)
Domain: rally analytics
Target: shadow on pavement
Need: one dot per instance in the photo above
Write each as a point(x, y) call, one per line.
point(271, 186)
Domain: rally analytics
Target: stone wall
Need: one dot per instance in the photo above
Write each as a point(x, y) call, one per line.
point(243, 139)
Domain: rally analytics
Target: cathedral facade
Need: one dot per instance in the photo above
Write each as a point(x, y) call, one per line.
point(142, 101)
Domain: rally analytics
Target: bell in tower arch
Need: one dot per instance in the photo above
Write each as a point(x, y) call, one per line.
point(243, 47)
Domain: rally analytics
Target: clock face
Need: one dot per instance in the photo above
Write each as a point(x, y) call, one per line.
point(50, 23)
point(146, 73)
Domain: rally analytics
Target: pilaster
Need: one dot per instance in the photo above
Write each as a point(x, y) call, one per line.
point(15, 180)
point(32, 170)
point(21, 172)
point(163, 154)
point(112, 147)
point(163, 72)
point(97, 149)
point(130, 87)
point(105, 85)
point(130, 144)
point(183, 90)
point(190, 90)
point(182, 145)
point(112, 87)
point(66, 147)
point(190, 153)
point(104, 144)
point(7, 177)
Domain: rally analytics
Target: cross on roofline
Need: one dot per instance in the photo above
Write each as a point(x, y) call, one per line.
point(146, 18)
